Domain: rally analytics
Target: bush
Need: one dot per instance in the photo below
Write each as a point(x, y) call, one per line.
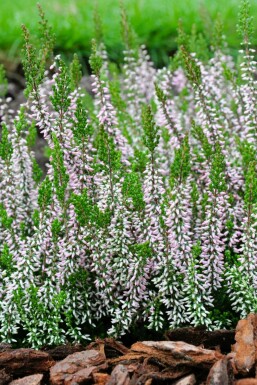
point(148, 211)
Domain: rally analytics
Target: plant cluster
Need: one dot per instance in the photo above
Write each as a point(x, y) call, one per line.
point(148, 211)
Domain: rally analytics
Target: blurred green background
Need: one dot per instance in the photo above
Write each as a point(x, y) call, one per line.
point(155, 22)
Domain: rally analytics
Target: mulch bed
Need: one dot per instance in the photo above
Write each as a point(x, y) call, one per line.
point(187, 356)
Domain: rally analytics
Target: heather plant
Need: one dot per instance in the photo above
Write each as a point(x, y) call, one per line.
point(147, 214)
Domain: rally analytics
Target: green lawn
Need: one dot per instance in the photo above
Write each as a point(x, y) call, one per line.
point(155, 21)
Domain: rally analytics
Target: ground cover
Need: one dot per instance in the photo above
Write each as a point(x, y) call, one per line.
point(154, 22)
point(197, 358)
point(145, 217)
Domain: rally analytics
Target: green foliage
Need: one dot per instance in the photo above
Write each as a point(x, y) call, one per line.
point(81, 128)
point(61, 178)
point(140, 161)
point(6, 259)
point(218, 34)
point(132, 188)
point(166, 135)
point(45, 194)
point(5, 220)
point(250, 196)
point(182, 37)
point(88, 213)
point(199, 134)
point(95, 60)
point(34, 59)
point(143, 251)
point(37, 171)
point(195, 195)
point(6, 148)
point(128, 34)
point(56, 228)
point(32, 135)
point(3, 81)
point(151, 137)
point(248, 153)
point(160, 94)
point(36, 218)
point(217, 173)
point(196, 251)
point(75, 72)
point(198, 44)
point(120, 105)
point(21, 123)
point(192, 68)
point(62, 89)
point(245, 24)
point(231, 258)
point(47, 37)
point(107, 152)
point(40, 313)
point(33, 70)
point(98, 33)
point(180, 168)
point(77, 277)
point(159, 35)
